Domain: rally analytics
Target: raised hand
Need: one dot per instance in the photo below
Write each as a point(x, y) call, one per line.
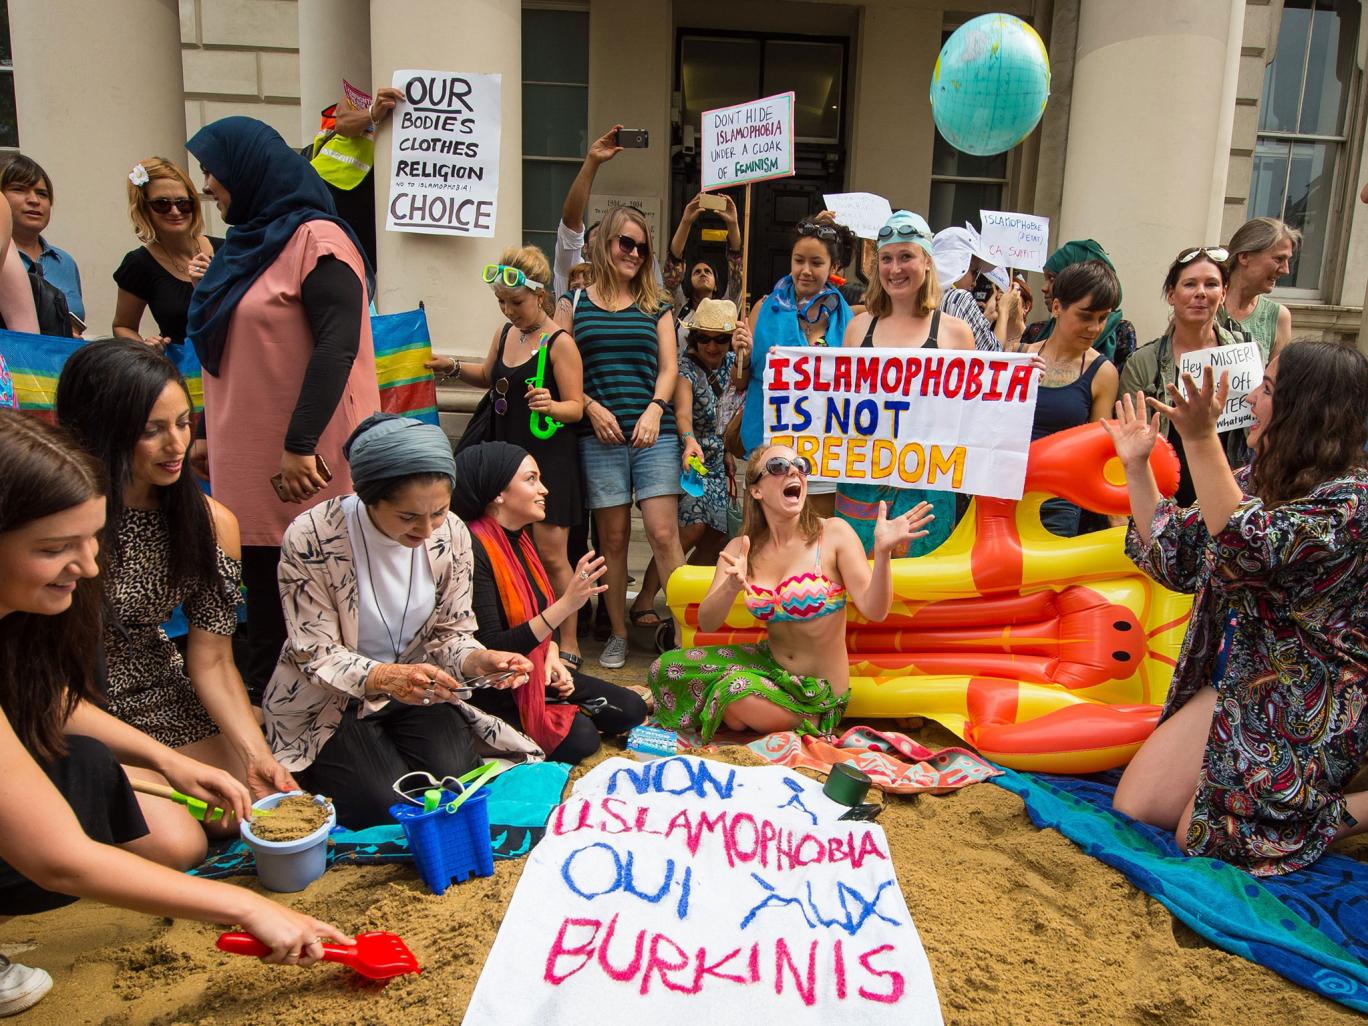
point(585, 580)
point(734, 567)
point(605, 147)
point(1196, 408)
point(898, 533)
point(741, 343)
point(1131, 434)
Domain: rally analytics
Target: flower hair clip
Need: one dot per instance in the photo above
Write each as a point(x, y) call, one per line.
point(139, 176)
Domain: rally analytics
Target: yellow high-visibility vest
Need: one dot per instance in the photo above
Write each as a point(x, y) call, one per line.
point(342, 161)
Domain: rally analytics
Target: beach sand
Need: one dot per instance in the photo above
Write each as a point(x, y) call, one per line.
point(1019, 925)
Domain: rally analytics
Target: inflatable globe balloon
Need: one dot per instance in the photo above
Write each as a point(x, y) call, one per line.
point(990, 85)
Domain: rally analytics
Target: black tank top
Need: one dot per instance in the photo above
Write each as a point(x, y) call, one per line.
point(930, 342)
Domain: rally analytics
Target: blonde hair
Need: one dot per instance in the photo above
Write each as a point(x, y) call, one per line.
point(139, 212)
point(533, 263)
point(1257, 235)
point(646, 294)
point(879, 304)
point(754, 525)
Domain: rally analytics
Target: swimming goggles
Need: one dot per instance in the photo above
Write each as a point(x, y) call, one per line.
point(903, 231)
point(509, 277)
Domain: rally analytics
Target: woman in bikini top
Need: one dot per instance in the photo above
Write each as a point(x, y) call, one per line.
point(794, 572)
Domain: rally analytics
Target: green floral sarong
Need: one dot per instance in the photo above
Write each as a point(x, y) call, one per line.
point(692, 687)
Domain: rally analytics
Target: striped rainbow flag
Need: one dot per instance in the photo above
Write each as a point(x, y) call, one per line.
point(402, 345)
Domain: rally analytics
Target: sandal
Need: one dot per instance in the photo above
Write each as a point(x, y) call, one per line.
point(571, 660)
point(639, 619)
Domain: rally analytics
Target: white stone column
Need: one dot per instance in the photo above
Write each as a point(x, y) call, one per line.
point(98, 86)
point(482, 36)
point(334, 43)
point(1149, 137)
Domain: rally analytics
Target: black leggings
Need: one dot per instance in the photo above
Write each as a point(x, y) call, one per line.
point(619, 711)
point(265, 617)
point(361, 762)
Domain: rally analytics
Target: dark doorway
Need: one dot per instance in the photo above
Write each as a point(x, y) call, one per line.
point(719, 69)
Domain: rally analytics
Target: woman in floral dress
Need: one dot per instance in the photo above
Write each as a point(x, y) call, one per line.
point(1265, 723)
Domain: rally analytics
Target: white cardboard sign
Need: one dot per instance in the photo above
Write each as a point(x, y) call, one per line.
point(445, 153)
point(751, 142)
point(1015, 240)
point(864, 213)
point(1243, 364)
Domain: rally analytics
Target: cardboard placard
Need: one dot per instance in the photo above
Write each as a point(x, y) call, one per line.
point(751, 142)
point(1015, 240)
point(445, 154)
point(863, 213)
point(1243, 364)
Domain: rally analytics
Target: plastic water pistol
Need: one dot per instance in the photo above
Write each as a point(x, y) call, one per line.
point(696, 465)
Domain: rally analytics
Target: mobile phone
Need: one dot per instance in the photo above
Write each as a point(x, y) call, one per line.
point(711, 201)
point(278, 482)
point(77, 323)
point(633, 138)
point(487, 680)
point(866, 813)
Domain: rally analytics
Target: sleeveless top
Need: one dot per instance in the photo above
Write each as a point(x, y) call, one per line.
point(930, 342)
point(621, 359)
point(804, 596)
point(1262, 325)
point(1058, 409)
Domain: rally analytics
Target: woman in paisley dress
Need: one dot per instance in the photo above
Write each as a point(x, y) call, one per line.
point(165, 545)
point(1264, 725)
point(798, 678)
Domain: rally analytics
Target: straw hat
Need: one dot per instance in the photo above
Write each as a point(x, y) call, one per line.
point(713, 317)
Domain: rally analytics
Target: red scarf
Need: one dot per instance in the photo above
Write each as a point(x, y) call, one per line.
point(546, 725)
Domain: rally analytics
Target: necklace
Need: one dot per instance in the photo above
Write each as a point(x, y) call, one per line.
point(370, 576)
point(179, 265)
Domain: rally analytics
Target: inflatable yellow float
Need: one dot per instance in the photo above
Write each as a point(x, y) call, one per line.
point(1044, 653)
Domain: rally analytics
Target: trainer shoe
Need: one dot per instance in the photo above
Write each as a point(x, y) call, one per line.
point(614, 655)
point(21, 987)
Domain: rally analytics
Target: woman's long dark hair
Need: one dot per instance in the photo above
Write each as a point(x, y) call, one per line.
point(104, 396)
point(1319, 423)
point(47, 663)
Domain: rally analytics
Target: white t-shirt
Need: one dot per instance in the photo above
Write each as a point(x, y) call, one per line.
point(395, 592)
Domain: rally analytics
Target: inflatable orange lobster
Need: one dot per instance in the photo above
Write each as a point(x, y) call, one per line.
point(1044, 653)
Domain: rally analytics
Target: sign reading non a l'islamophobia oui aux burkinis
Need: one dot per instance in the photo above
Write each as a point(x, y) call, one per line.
point(748, 143)
point(445, 153)
point(908, 418)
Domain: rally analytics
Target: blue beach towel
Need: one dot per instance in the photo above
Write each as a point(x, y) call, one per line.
point(520, 800)
point(1310, 926)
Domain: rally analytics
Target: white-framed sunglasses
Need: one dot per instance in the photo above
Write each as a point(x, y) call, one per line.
point(1218, 253)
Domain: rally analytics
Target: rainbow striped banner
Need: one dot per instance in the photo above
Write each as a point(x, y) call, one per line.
point(402, 345)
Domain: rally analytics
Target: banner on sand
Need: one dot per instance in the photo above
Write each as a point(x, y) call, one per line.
point(683, 890)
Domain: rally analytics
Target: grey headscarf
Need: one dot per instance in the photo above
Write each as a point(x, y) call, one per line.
point(385, 446)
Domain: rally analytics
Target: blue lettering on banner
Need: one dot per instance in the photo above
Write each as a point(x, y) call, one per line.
point(622, 876)
point(676, 776)
point(856, 909)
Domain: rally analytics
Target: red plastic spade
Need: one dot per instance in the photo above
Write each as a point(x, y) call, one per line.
point(378, 955)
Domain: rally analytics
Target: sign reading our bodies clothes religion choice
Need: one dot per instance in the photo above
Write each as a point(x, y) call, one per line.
point(690, 891)
point(751, 142)
point(446, 154)
point(950, 420)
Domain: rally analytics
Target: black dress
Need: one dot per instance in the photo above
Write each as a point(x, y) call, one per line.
point(558, 456)
point(166, 296)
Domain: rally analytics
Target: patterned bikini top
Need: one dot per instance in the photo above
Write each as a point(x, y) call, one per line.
point(804, 596)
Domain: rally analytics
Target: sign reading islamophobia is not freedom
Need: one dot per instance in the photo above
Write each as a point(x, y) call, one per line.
point(445, 153)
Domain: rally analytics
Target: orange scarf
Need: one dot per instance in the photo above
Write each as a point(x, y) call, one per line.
point(546, 725)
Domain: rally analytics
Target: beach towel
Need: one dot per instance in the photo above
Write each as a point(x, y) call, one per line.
point(896, 763)
point(1310, 926)
point(520, 799)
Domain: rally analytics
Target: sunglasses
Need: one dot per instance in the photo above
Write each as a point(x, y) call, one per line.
point(628, 245)
point(713, 340)
point(162, 205)
point(1218, 253)
point(779, 466)
point(501, 396)
point(509, 277)
point(903, 231)
point(816, 231)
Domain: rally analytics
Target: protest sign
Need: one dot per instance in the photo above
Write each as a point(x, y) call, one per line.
point(1243, 365)
point(862, 212)
point(445, 153)
point(751, 142)
point(684, 890)
point(955, 421)
point(1015, 240)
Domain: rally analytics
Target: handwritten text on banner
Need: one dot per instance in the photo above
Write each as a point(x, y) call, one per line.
point(1243, 366)
point(751, 142)
point(445, 153)
point(1015, 240)
point(910, 418)
point(685, 890)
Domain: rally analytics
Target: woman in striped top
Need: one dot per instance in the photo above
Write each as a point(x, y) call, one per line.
point(628, 447)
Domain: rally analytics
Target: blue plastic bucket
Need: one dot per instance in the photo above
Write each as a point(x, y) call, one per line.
point(287, 866)
point(448, 846)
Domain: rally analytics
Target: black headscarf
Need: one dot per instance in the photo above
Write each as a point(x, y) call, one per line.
point(482, 472)
point(272, 190)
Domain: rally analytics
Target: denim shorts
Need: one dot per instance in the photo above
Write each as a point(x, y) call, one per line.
point(612, 473)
